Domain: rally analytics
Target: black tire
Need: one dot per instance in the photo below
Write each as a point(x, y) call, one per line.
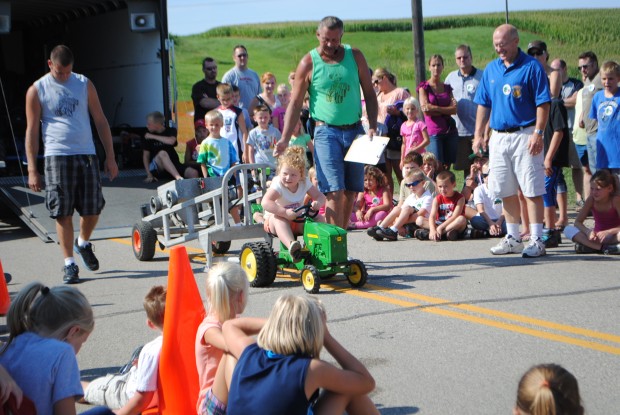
point(259, 262)
point(156, 204)
point(143, 240)
point(357, 275)
point(220, 247)
point(171, 198)
point(310, 279)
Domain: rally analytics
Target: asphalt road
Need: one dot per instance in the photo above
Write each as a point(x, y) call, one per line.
point(445, 328)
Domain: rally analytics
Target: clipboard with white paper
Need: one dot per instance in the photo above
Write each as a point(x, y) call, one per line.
point(367, 151)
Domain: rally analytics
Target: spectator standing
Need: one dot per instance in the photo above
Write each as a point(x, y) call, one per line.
point(59, 104)
point(388, 94)
point(438, 106)
point(514, 95)
point(332, 74)
point(204, 94)
point(570, 88)
point(588, 65)
point(245, 78)
point(464, 83)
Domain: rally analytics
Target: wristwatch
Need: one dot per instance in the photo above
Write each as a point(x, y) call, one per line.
point(539, 132)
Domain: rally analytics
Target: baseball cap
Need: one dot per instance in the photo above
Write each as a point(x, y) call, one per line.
point(537, 44)
point(200, 123)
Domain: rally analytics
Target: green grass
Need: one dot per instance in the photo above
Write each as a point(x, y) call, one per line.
point(278, 47)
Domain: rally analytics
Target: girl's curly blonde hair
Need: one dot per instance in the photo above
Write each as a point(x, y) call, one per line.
point(295, 157)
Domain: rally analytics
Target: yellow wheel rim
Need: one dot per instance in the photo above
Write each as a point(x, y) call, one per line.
point(356, 274)
point(307, 279)
point(248, 263)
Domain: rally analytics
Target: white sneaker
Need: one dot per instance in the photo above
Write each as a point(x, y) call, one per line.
point(535, 249)
point(507, 245)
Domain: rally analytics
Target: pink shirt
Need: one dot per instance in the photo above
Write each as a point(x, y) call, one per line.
point(207, 358)
point(605, 220)
point(412, 135)
point(385, 100)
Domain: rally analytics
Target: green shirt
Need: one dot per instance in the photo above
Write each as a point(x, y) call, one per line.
point(335, 96)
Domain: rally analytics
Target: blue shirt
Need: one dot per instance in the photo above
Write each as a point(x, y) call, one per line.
point(218, 154)
point(513, 92)
point(607, 112)
point(464, 90)
point(268, 383)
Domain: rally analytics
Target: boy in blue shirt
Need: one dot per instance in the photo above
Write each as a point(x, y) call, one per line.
point(606, 110)
point(217, 154)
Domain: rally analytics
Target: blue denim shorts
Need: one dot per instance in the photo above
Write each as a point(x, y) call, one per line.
point(551, 182)
point(333, 173)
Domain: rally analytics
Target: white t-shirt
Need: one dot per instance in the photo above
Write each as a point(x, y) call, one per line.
point(287, 198)
point(144, 377)
point(492, 207)
point(423, 202)
point(263, 142)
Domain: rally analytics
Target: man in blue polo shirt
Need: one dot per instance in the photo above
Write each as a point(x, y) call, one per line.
point(514, 92)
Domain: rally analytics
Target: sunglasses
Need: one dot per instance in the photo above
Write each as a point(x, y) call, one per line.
point(242, 55)
point(376, 81)
point(414, 183)
point(536, 53)
point(586, 66)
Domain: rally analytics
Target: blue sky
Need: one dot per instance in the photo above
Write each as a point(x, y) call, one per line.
point(195, 16)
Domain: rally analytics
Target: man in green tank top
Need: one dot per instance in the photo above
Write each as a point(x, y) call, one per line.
point(332, 75)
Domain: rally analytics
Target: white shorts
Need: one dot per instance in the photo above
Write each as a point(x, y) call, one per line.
point(512, 166)
point(108, 391)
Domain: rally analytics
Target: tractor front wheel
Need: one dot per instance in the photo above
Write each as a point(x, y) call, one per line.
point(310, 279)
point(357, 275)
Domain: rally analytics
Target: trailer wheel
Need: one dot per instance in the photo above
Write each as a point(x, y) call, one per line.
point(310, 279)
point(259, 263)
point(156, 204)
point(220, 247)
point(143, 240)
point(357, 275)
point(171, 198)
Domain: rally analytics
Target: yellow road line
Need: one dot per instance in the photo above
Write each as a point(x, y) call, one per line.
point(439, 308)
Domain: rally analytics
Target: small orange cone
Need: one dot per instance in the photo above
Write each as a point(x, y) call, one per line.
point(5, 300)
point(178, 377)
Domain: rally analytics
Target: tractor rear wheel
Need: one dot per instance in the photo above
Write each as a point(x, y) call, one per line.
point(259, 262)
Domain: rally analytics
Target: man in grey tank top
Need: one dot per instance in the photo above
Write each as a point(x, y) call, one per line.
point(58, 105)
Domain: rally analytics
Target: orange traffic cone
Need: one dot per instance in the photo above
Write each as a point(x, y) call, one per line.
point(5, 300)
point(178, 377)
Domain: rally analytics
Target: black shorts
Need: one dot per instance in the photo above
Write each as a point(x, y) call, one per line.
point(73, 183)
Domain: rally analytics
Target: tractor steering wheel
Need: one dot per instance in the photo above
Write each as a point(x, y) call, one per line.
point(305, 211)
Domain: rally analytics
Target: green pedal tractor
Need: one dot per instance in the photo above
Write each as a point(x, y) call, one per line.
point(323, 256)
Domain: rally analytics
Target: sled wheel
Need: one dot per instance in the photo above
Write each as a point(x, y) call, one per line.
point(155, 204)
point(259, 263)
point(171, 198)
point(310, 279)
point(143, 240)
point(220, 247)
point(357, 275)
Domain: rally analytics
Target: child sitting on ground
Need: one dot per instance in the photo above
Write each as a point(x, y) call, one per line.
point(411, 162)
point(47, 328)
point(548, 389)
point(415, 210)
point(447, 216)
point(281, 371)
point(490, 218)
point(605, 207)
point(158, 153)
point(430, 165)
point(287, 192)
point(217, 155)
point(136, 390)
point(227, 295)
point(374, 203)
